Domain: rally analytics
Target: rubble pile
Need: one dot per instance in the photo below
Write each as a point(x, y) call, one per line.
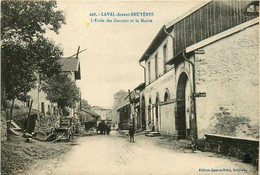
point(46, 124)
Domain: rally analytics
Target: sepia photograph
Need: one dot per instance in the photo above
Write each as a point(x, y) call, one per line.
point(125, 87)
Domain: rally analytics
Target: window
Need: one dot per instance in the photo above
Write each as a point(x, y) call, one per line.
point(149, 72)
point(27, 103)
point(43, 110)
point(156, 65)
point(53, 110)
point(150, 110)
point(166, 95)
point(164, 57)
point(49, 109)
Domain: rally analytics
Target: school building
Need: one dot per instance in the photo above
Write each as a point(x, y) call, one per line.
point(201, 63)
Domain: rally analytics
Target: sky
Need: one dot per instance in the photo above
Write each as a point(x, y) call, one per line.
point(110, 62)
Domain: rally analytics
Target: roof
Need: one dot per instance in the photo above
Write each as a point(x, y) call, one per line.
point(69, 64)
point(187, 13)
point(123, 106)
point(193, 26)
point(99, 108)
point(169, 27)
point(140, 87)
point(155, 43)
point(91, 112)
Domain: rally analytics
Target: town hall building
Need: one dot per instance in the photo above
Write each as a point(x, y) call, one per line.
point(200, 64)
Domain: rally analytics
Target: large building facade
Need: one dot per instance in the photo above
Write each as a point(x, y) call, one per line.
point(200, 64)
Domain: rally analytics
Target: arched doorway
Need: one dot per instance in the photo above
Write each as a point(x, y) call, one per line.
point(157, 112)
point(143, 114)
point(180, 121)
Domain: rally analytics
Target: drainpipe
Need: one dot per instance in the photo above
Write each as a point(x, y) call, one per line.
point(145, 85)
point(194, 98)
point(194, 89)
point(144, 72)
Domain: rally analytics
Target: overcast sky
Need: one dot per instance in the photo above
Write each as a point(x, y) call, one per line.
point(113, 49)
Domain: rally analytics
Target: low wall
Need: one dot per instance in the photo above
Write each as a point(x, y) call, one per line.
point(241, 148)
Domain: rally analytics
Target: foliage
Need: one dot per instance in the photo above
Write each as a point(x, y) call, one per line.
point(119, 99)
point(21, 114)
point(84, 117)
point(29, 18)
point(226, 124)
point(61, 89)
point(20, 64)
point(85, 105)
point(24, 49)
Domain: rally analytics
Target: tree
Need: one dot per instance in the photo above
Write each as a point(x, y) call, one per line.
point(119, 98)
point(30, 18)
point(26, 53)
point(20, 66)
point(62, 90)
point(85, 105)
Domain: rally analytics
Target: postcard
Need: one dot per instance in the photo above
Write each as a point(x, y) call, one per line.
point(129, 87)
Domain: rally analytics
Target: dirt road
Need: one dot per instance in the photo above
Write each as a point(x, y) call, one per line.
point(114, 155)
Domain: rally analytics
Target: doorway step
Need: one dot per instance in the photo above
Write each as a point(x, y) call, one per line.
point(152, 134)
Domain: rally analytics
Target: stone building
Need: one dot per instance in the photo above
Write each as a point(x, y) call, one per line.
point(201, 63)
point(70, 66)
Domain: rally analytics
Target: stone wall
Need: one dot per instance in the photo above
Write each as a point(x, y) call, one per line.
point(241, 148)
point(228, 73)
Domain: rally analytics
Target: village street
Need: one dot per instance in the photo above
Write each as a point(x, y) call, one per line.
point(114, 155)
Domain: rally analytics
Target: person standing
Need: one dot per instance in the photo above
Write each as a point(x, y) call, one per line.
point(132, 133)
point(108, 128)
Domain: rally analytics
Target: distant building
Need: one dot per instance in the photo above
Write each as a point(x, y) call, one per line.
point(71, 66)
point(103, 112)
point(221, 40)
point(89, 116)
point(138, 108)
point(125, 119)
point(112, 114)
point(129, 112)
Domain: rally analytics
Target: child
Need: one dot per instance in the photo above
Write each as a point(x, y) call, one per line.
point(131, 133)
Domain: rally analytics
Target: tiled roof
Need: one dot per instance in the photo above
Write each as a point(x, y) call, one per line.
point(69, 64)
point(90, 112)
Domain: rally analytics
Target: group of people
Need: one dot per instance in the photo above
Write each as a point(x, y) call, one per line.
point(104, 128)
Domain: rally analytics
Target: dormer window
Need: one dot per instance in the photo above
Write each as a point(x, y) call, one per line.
point(252, 8)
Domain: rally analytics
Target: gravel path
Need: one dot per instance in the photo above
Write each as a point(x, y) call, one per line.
point(114, 155)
